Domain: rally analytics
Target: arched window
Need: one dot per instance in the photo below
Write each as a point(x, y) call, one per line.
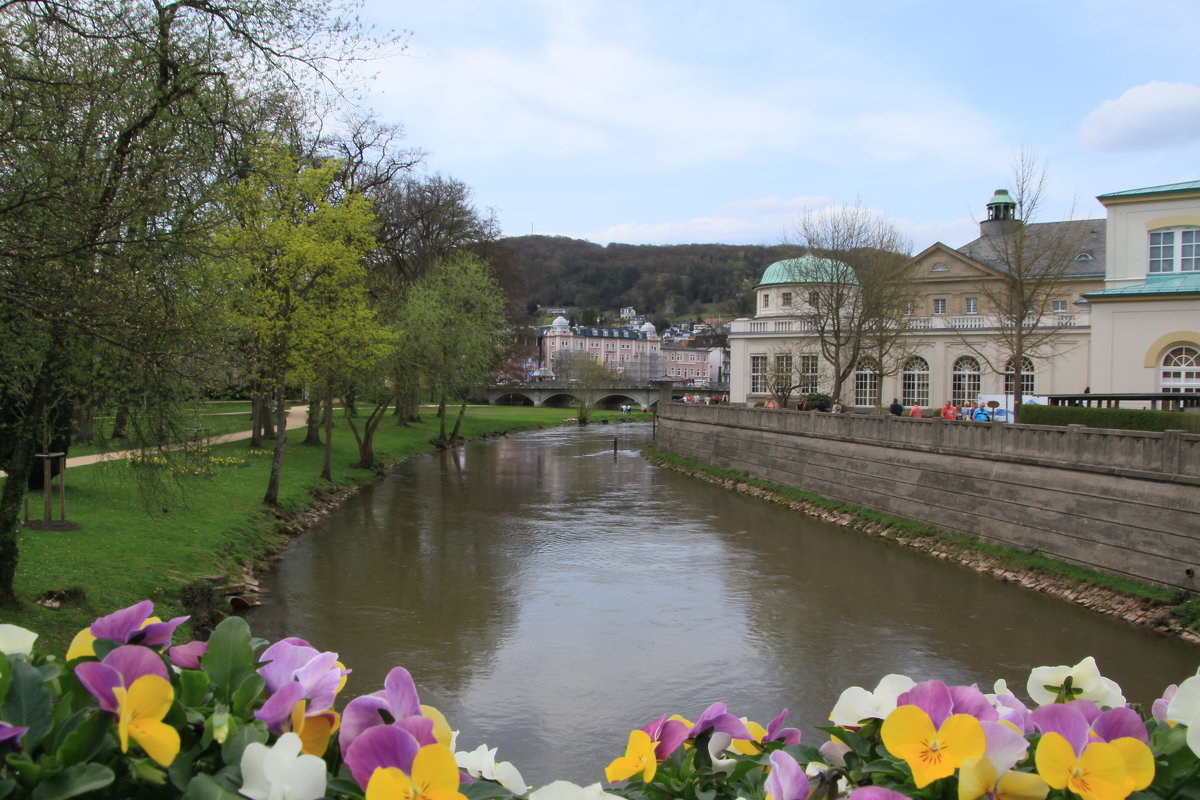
point(965, 381)
point(914, 389)
point(1180, 371)
point(1027, 382)
point(866, 384)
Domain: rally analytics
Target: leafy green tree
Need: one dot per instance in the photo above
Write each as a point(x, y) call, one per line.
point(297, 247)
point(454, 325)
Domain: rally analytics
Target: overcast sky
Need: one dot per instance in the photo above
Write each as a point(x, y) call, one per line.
point(666, 122)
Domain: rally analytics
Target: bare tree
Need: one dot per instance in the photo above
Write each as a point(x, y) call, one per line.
point(587, 376)
point(857, 276)
point(1032, 262)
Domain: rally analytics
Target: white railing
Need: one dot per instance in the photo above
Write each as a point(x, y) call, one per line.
point(937, 322)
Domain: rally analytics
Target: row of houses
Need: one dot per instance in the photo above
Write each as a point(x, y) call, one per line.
point(1122, 316)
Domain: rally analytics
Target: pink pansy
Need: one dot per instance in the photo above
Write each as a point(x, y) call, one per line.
point(940, 701)
point(118, 670)
point(380, 747)
point(397, 705)
point(667, 735)
point(1159, 709)
point(187, 656)
point(295, 671)
point(1004, 747)
point(777, 733)
point(787, 780)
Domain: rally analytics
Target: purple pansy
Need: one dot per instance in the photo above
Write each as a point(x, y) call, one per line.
point(128, 626)
point(381, 746)
point(667, 735)
point(777, 733)
point(294, 670)
point(787, 780)
point(187, 656)
point(120, 668)
point(397, 705)
point(715, 718)
point(10, 735)
point(876, 793)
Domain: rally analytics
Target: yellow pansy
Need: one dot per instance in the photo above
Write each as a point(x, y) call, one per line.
point(931, 753)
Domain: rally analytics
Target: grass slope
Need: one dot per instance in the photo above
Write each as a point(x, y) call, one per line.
point(144, 539)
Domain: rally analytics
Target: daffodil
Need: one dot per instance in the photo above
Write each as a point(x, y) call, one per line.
point(281, 772)
point(434, 777)
point(140, 711)
point(931, 752)
point(638, 758)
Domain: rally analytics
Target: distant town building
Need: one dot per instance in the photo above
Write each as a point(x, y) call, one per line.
point(634, 353)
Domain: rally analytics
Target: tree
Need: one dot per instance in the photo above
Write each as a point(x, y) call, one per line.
point(297, 246)
point(1032, 261)
point(121, 120)
point(858, 288)
point(454, 323)
point(587, 376)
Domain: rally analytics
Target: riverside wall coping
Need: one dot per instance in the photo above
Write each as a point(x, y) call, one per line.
point(1171, 456)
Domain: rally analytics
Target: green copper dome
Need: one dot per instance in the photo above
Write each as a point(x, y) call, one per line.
point(807, 269)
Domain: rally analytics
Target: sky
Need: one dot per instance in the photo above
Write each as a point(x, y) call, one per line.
point(672, 122)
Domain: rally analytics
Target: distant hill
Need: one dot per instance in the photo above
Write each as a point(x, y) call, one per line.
point(662, 280)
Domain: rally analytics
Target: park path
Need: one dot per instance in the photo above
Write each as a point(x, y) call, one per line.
point(296, 418)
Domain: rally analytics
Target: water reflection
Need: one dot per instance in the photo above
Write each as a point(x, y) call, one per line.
point(549, 594)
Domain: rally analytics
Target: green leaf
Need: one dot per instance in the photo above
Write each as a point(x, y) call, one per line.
point(231, 751)
point(205, 787)
point(27, 704)
point(73, 782)
point(83, 743)
point(350, 787)
point(229, 658)
point(484, 790)
point(248, 691)
point(6, 674)
point(193, 686)
point(6, 787)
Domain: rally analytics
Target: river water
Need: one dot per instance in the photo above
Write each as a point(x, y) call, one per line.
point(551, 591)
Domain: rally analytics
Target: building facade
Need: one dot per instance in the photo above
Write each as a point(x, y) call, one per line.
point(634, 353)
point(954, 342)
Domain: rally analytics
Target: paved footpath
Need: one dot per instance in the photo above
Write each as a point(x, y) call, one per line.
point(296, 418)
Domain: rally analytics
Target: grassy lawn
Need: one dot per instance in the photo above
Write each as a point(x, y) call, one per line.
point(139, 541)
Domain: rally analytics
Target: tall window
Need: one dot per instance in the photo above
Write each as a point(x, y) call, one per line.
point(786, 300)
point(1180, 370)
point(939, 305)
point(1176, 250)
point(866, 384)
point(766, 300)
point(965, 381)
point(914, 382)
point(808, 373)
point(758, 374)
point(971, 305)
point(1027, 382)
point(783, 370)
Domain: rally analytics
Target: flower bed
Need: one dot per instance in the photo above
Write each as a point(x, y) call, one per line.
point(126, 714)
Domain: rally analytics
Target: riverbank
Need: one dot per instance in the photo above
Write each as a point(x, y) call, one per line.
point(191, 533)
point(1147, 606)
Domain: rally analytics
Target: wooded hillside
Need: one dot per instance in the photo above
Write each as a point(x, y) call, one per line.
point(666, 281)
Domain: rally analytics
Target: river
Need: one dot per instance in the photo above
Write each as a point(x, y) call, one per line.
point(551, 591)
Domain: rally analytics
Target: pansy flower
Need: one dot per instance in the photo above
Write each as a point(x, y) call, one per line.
point(667, 735)
point(856, 704)
point(399, 705)
point(132, 625)
point(16, 641)
point(1081, 682)
point(933, 741)
point(787, 780)
point(281, 771)
point(1184, 709)
point(131, 682)
point(1070, 755)
point(302, 683)
point(639, 760)
point(434, 776)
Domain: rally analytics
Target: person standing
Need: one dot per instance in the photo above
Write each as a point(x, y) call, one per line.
point(895, 409)
point(916, 412)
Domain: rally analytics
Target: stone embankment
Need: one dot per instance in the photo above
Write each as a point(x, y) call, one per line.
point(1134, 610)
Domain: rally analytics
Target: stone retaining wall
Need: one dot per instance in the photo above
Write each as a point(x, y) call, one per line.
point(1119, 501)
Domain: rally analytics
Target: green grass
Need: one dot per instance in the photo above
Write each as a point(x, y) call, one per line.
point(138, 542)
point(964, 545)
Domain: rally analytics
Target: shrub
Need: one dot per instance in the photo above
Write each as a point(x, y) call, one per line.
point(1129, 419)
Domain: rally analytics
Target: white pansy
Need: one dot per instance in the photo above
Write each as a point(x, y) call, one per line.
point(565, 790)
point(1084, 676)
point(481, 763)
point(1184, 709)
point(16, 641)
point(856, 703)
point(281, 772)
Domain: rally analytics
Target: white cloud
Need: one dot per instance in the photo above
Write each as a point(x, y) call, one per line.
point(1152, 116)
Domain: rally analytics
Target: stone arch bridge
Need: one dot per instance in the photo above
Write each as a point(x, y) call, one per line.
point(567, 393)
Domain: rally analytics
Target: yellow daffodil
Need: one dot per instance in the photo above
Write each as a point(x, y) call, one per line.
point(434, 777)
point(931, 753)
point(140, 711)
point(1097, 774)
point(639, 757)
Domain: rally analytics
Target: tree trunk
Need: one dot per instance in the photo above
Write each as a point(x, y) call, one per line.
point(366, 438)
point(120, 423)
point(327, 465)
point(271, 498)
point(256, 415)
point(313, 433)
point(441, 412)
point(462, 410)
point(85, 425)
